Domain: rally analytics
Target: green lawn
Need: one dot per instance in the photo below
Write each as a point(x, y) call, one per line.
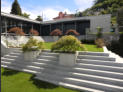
point(88, 46)
point(14, 81)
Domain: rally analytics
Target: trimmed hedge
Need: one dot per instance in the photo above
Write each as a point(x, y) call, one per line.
point(32, 45)
point(67, 44)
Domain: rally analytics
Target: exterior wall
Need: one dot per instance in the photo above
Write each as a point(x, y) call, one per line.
point(103, 21)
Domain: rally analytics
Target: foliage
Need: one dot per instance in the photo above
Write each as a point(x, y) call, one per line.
point(39, 18)
point(78, 14)
point(90, 47)
point(33, 45)
point(120, 19)
point(56, 32)
point(16, 30)
point(72, 32)
point(25, 15)
point(121, 44)
point(104, 7)
point(16, 8)
point(34, 32)
point(99, 42)
point(99, 32)
point(67, 44)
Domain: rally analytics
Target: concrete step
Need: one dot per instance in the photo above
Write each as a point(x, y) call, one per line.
point(13, 56)
point(61, 72)
point(100, 67)
point(48, 57)
point(94, 53)
point(24, 63)
point(12, 59)
point(18, 69)
point(57, 82)
point(88, 77)
point(49, 54)
point(81, 70)
point(99, 62)
point(84, 83)
point(103, 58)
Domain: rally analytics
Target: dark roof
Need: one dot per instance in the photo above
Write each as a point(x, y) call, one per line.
point(51, 21)
point(18, 17)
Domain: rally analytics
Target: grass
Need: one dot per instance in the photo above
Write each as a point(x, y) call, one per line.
point(14, 81)
point(88, 46)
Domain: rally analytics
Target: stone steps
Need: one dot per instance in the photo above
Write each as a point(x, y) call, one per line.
point(103, 58)
point(99, 62)
point(83, 83)
point(100, 67)
point(94, 53)
point(75, 69)
point(93, 72)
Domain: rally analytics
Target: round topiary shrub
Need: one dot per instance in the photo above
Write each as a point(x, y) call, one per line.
point(34, 32)
point(17, 31)
point(33, 45)
point(68, 44)
point(72, 32)
point(56, 32)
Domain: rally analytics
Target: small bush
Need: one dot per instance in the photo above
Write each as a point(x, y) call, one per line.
point(100, 43)
point(67, 44)
point(99, 32)
point(56, 32)
point(72, 32)
point(32, 45)
point(34, 32)
point(16, 30)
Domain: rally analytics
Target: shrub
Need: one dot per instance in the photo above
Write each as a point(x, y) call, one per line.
point(99, 32)
point(56, 32)
point(100, 43)
point(17, 31)
point(32, 45)
point(34, 32)
point(72, 32)
point(67, 44)
point(121, 44)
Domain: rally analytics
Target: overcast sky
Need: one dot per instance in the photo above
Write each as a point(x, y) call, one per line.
point(48, 8)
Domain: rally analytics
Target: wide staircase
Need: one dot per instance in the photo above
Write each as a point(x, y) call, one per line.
point(93, 72)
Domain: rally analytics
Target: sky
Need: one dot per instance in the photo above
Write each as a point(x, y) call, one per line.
point(47, 8)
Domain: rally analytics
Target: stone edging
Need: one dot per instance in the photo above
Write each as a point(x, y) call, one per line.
point(119, 59)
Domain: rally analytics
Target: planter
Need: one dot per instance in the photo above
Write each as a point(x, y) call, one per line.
point(67, 59)
point(31, 55)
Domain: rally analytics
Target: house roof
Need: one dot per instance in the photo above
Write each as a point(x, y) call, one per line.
point(73, 19)
point(18, 17)
point(51, 21)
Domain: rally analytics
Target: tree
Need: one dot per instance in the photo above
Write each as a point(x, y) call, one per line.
point(16, 8)
point(25, 15)
point(39, 18)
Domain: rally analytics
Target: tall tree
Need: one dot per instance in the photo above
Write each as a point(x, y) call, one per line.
point(39, 18)
point(25, 15)
point(16, 8)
